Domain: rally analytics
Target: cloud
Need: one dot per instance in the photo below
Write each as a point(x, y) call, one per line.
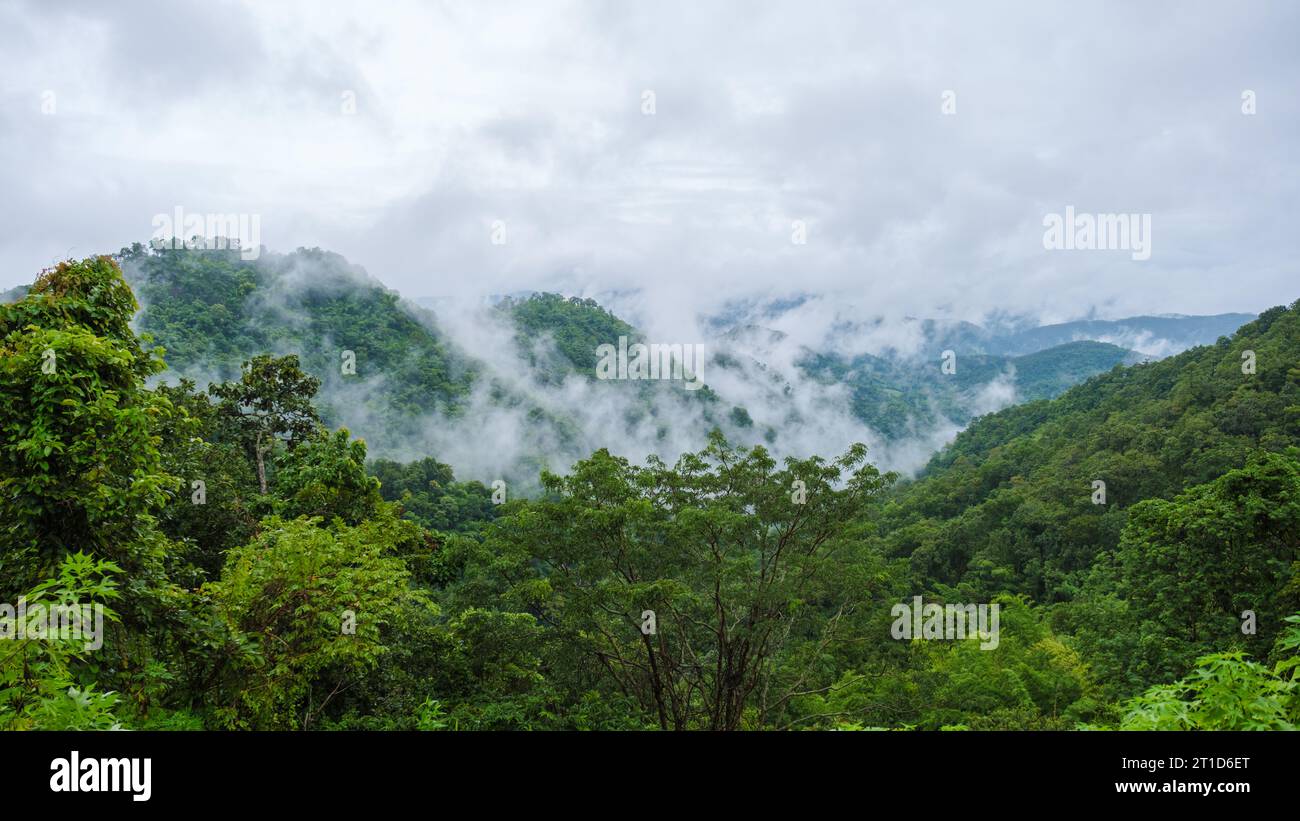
point(829, 114)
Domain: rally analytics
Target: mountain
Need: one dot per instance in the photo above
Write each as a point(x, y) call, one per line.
point(1011, 505)
point(13, 294)
point(212, 310)
point(520, 368)
point(410, 381)
point(1151, 335)
point(895, 396)
point(1129, 548)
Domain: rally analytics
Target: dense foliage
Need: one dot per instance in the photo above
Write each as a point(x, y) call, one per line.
point(256, 571)
point(212, 311)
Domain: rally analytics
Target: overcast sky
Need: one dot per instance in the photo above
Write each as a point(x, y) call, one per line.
point(764, 113)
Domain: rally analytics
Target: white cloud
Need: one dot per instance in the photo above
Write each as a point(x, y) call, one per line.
point(827, 112)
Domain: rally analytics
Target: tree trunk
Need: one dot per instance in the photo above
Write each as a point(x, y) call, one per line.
point(261, 463)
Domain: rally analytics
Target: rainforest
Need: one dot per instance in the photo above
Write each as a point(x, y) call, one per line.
point(316, 584)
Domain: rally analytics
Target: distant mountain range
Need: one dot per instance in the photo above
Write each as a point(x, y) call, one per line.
point(1154, 337)
point(504, 385)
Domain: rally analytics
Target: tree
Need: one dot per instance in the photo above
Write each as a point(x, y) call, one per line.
point(80, 468)
point(273, 400)
point(684, 584)
point(39, 685)
point(216, 506)
point(1032, 681)
point(430, 495)
point(305, 606)
point(1190, 566)
point(1227, 691)
point(326, 476)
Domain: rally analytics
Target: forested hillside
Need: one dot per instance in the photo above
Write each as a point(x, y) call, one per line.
point(1010, 506)
point(388, 369)
point(257, 571)
point(896, 396)
point(212, 310)
point(412, 382)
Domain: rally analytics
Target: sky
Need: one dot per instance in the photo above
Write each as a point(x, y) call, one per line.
point(899, 158)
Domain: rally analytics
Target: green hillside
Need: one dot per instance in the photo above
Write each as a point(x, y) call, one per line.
point(1047, 373)
point(249, 558)
point(1009, 506)
point(1147, 431)
point(575, 326)
point(896, 397)
point(211, 310)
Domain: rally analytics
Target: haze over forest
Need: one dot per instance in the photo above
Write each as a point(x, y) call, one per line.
point(675, 366)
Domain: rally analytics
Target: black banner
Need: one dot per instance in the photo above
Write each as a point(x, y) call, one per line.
point(336, 770)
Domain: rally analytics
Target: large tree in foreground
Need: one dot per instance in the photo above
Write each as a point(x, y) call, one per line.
point(79, 462)
point(685, 584)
